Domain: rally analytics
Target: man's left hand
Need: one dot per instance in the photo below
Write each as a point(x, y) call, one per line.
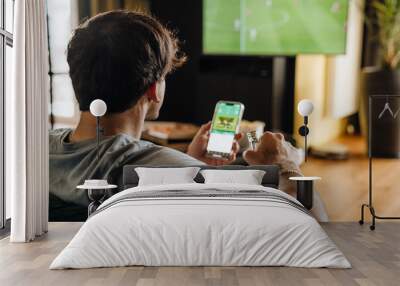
point(198, 147)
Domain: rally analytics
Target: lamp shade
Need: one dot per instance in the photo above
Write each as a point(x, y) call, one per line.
point(305, 107)
point(98, 107)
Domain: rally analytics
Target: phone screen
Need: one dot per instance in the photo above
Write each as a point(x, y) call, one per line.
point(225, 123)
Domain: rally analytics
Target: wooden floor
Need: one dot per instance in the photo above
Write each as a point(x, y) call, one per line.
point(344, 184)
point(375, 257)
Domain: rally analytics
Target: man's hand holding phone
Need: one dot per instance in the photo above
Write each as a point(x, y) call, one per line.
point(198, 147)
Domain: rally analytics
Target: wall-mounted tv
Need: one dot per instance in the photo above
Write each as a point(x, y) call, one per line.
point(274, 27)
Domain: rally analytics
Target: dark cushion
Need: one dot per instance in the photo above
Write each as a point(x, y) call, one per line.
point(270, 179)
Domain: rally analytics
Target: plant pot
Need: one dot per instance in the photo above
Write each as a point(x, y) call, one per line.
point(385, 131)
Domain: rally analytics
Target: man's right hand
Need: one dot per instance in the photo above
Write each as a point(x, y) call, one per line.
point(271, 149)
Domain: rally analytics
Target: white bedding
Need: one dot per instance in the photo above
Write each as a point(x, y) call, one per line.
point(200, 231)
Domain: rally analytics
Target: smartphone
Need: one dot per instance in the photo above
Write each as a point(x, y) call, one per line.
point(224, 126)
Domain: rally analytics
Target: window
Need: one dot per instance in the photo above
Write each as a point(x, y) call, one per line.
point(6, 44)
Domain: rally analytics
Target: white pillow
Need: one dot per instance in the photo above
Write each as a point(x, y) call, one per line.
point(248, 177)
point(166, 176)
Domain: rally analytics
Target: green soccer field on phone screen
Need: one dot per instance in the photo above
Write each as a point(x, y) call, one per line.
point(225, 123)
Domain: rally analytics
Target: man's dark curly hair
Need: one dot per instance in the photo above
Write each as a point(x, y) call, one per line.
point(116, 56)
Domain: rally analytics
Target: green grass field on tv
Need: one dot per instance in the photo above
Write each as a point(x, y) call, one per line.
point(274, 27)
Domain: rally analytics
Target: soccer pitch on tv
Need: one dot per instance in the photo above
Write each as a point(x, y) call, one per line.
point(274, 27)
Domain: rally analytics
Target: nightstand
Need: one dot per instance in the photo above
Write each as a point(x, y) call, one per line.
point(305, 187)
point(96, 192)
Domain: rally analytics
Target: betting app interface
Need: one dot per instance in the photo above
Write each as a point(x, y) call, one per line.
point(224, 125)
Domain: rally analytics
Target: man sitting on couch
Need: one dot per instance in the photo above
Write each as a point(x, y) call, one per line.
point(123, 58)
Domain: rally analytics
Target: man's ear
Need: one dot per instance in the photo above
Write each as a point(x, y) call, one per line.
point(152, 94)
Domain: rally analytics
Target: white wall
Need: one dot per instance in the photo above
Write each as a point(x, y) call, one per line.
point(331, 82)
point(344, 70)
point(62, 16)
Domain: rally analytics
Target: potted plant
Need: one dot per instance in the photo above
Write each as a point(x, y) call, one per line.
point(383, 22)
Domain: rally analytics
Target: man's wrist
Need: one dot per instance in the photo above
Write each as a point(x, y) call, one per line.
point(190, 152)
point(289, 167)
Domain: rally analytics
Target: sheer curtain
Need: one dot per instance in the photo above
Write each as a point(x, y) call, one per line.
point(27, 123)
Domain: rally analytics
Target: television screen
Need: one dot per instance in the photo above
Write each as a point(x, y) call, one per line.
point(274, 27)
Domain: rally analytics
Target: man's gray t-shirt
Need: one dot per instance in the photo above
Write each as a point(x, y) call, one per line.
point(73, 163)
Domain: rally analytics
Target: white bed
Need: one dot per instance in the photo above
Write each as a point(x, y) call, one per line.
point(184, 230)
